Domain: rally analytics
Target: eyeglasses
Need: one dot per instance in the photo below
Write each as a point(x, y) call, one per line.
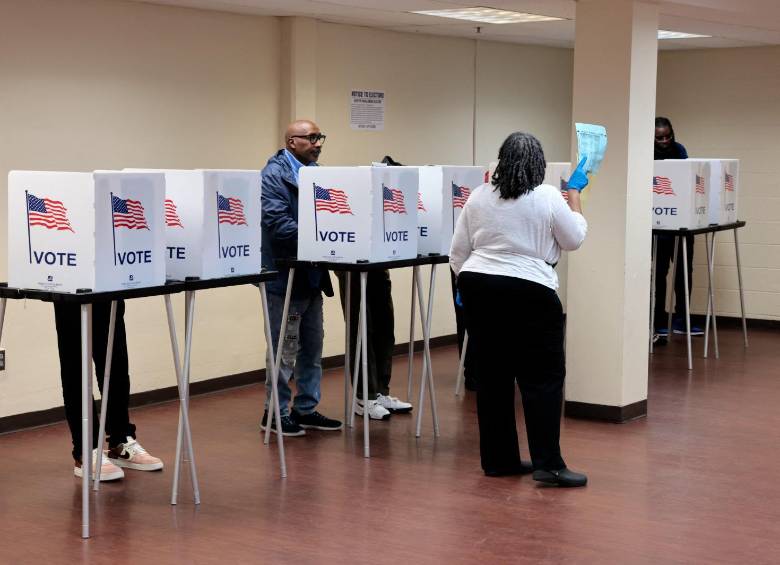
point(312, 138)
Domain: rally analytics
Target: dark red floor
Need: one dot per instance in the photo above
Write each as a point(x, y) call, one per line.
point(694, 482)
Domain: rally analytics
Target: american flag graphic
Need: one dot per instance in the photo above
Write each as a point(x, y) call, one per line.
point(230, 211)
point(393, 200)
point(172, 218)
point(331, 200)
point(459, 195)
point(50, 214)
point(420, 205)
point(662, 185)
point(128, 214)
point(699, 184)
point(729, 183)
point(565, 189)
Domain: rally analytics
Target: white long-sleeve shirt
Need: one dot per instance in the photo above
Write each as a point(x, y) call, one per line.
point(519, 238)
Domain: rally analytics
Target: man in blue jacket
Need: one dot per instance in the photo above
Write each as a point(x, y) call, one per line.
point(302, 348)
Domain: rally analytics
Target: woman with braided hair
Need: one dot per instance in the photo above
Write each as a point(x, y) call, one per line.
point(506, 242)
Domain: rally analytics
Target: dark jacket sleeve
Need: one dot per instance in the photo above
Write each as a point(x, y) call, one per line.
point(278, 218)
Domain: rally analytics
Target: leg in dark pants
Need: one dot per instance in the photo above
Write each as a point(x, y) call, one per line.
point(380, 328)
point(68, 323)
point(664, 257)
point(516, 327)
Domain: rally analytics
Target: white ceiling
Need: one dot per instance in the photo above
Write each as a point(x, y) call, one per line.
point(732, 23)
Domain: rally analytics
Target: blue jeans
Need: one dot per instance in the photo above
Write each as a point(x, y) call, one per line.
point(301, 353)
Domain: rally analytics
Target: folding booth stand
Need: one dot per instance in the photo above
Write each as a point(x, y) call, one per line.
point(86, 300)
point(709, 235)
point(361, 353)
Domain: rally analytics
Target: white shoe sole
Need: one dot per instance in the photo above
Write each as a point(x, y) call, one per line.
point(359, 412)
point(323, 428)
point(398, 410)
point(137, 466)
point(104, 477)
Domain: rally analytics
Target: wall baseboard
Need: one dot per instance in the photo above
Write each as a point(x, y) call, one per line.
point(615, 414)
point(57, 414)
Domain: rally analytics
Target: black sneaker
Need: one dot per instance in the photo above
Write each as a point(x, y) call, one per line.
point(289, 426)
point(316, 421)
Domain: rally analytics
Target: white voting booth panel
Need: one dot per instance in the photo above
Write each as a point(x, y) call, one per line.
point(351, 214)
point(212, 220)
point(680, 198)
point(443, 193)
point(723, 188)
point(557, 174)
point(101, 231)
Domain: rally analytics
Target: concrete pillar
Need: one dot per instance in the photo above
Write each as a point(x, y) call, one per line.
point(298, 70)
point(615, 59)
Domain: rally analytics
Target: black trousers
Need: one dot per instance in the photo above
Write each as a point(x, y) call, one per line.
point(664, 256)
point(68, 321)
point(469, 370)
point(379, 328)
point(516, 328)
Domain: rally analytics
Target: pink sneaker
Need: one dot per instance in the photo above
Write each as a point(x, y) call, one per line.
point(108, 471)
point(132, 456)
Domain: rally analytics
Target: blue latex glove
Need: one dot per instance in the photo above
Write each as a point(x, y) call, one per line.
point(458, 301)
point(579, 178)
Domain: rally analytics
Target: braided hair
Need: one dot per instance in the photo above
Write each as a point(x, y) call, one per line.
point(521, 165)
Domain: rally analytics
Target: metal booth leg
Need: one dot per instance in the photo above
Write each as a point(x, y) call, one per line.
point(274, 384)
point(687, 303)
point(356, 372)
point(104, 393)
point(364, 361)
point(710, 248)
point(273, 404)
point(86, 414)
point(410, 372)
point(741, 288)
point(347, 335)
point(182, 378)
point(460, 379)
point(427, 373)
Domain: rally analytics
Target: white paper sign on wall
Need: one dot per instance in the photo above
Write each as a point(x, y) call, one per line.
point(367, 110)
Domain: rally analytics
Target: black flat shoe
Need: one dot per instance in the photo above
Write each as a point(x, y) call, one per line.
point(524, 469)
point(562, 478)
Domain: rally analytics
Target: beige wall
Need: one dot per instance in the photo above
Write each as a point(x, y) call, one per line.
point(724, 103)
point(96, 84)
point(106, 84)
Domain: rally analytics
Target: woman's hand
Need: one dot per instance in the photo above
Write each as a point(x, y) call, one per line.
point(579, 178)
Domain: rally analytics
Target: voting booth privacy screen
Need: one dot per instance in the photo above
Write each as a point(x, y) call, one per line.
point(101, 231)
point(212, 222)
point(723, 188)
point(444, 191)
point(352, 214)
point(680, 194)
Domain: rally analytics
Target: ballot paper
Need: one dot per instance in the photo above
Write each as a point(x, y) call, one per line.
point(592, 144)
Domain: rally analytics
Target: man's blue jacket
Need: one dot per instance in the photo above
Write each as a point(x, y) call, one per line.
point(280, 230)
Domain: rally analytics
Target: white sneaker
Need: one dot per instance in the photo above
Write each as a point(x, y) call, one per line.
point(375, 410)
point(108, 471)
point(133, 456)
point(393, 405)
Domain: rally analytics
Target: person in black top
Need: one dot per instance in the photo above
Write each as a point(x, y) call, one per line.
point(667, 147)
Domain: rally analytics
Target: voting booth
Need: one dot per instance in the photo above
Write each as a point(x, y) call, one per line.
point(723, 188)
point(101, 231)
point(354, 214)
point(680, 194)
point(444, 191)
point(557, 175)
point(212, 223)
